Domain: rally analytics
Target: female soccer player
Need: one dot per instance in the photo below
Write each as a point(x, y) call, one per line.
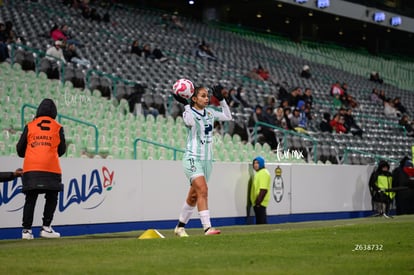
point(198, 157)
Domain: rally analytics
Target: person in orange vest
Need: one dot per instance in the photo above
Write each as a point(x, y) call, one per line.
point(41, 144)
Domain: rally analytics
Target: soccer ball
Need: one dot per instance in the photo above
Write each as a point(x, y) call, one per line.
point(184, 88)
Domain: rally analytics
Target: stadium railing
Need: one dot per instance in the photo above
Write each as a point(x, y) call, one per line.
point(375, 156)
point(59, 119)
point(174, 149)
point(285, 134)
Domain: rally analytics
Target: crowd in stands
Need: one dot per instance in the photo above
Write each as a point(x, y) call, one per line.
point(290, 109)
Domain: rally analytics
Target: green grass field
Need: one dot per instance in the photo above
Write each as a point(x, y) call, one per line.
point(385, 246)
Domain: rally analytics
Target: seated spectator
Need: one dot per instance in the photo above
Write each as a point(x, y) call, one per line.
point(259, 73)
point(305, 72)
point(398, 105)
point(267, 132)
point(303, 117)
point(72, 56)
point(62, 34)
point(280, 120)
point(390, 110)
point(336, 89)
point(325, 125)
point(224, 92)
point(375, 97)
point(282, 92)
point(382, 95)
point(135, 48)
point(240, 94)
point(234, 102)
point(407, 124)
point(350, 124)
point(203, 50)
point(155, 54)
point(4, 51)
point(307, 97)
point(287, 113)
point(337, 124)
point(176, 23)
point(375, 77)
point(56, 51)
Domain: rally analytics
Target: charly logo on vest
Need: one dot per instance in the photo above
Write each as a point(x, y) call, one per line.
point(278, 185)
point(89, 191)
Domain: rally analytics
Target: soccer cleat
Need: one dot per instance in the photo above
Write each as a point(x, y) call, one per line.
point(48, 232)
point(212, 231)
point(180, 232)
point(27, 234)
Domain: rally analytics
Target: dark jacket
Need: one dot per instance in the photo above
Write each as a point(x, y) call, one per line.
point(6, 176)
point(42, 180)
point(403, 176)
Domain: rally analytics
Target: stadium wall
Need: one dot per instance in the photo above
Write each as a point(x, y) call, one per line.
point(122, 195)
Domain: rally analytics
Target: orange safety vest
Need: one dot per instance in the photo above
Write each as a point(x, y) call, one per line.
point(42, 146)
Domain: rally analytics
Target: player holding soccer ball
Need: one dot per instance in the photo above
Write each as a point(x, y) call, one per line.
point(198, 156)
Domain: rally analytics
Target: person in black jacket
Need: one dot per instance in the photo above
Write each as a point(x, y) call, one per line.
point(41, 144)
point(6, 176)
point(403, 177)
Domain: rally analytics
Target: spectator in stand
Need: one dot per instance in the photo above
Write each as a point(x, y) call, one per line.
point(375, 77)
point(407, 124)
point(336, 89)
point(72, 56)
point(382, 95)
point(10, 34)
point(390, 110)
point(233, 101)
point(305, 72)
point(62, 34)
point(219, 89)
point(348, 100)
point(176, 23)
point(135, 48)
point(282, 92)
point(155, 54)
point(375, 97)
point(203, 50)
point(56, 51)
point(164, 21)
point(398, 105)
point(4, 51)
point(259, 73)
point(308, 97)
point(303, 119)
point(325, 125)
point(268, 133)
point(350, 123)
point(287, 113)
point(280, 120)
point(337, 124)
point(269, 116)
point(294, 97)
point(240, 96)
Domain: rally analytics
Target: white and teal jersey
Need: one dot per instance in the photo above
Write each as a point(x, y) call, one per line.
point(200, 124)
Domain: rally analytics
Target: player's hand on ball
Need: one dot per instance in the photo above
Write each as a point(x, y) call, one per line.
point(180, 99)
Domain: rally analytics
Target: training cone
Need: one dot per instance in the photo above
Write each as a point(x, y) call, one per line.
point(151, 234)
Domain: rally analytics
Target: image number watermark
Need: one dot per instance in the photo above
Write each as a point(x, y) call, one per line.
point(368, 247)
